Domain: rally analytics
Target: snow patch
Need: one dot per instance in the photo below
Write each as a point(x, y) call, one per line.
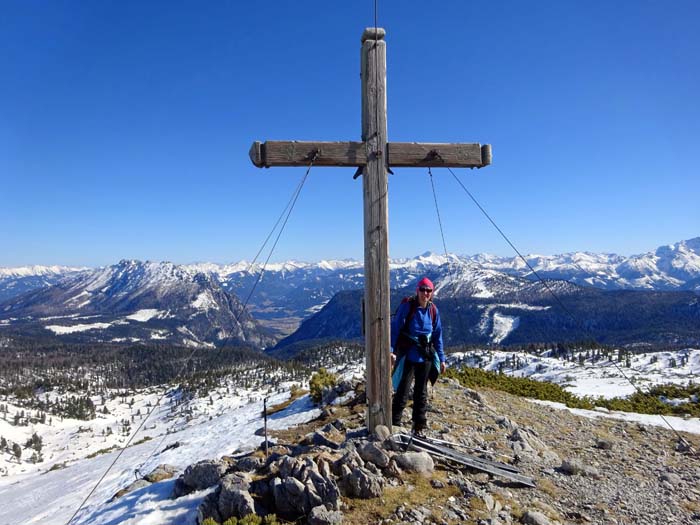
point(144, 315)
point(57, 329)
point(205, 301)
point(503, 325)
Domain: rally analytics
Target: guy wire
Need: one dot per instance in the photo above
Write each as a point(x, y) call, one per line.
point(561, 304)
point(295, 194)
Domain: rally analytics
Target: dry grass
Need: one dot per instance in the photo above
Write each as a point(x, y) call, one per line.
point(295, 394)
point(691, 506)
point(296, 433)
point(415, 491)
point(548, 487)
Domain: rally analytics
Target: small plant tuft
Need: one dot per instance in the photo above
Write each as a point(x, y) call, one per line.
point(250, 519)
point(321, 379)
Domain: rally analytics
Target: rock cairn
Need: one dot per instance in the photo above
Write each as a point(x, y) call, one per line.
point(303, 481)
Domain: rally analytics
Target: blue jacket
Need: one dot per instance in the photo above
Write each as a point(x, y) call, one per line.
point(420, 323)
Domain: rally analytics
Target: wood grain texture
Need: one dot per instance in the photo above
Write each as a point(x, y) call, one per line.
point(417, 154)
point(398, 154)
point(300, 153)
point(376, 233)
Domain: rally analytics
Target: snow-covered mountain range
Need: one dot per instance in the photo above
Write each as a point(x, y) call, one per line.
point(135, 301)
point(671, 267)
point(201, 303)
point(16, 281)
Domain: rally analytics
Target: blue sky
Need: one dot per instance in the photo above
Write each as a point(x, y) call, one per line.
point(125, 126)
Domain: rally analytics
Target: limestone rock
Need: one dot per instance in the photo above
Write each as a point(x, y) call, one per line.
point(419, 462)
point(288, 497)
point(329, 437)
point(361, 483)
point(138, 484)
point(326, 489)
point(532, 517)
point(320, 515)
point(204, 474)
point(374, 454)
point(382, 432)
point(249, 464)
point(672, 478)
point(234, 497)
point(350, 459)
point(160, 473)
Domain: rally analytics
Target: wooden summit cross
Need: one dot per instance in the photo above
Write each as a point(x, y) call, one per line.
point(373, 156)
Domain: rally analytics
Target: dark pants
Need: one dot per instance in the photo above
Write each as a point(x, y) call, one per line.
point(420, 393)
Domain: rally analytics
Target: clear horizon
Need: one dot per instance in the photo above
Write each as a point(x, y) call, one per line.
point(125, 127)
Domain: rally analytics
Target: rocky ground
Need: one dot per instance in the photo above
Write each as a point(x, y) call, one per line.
point(331, 471)
point(586, 470)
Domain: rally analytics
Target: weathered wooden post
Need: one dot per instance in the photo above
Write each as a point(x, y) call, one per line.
point(376, 229)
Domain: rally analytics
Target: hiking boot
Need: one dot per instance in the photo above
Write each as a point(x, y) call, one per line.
point(419, 433)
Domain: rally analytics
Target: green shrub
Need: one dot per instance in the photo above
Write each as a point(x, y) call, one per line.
point(252, 519)
point(321, 379)
point(519, 386)
point(639, 402)
point(210, 521)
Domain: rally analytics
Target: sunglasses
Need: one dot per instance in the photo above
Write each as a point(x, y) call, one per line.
point(425, 289)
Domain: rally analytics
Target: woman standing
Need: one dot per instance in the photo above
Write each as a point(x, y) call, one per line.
point(416, 339)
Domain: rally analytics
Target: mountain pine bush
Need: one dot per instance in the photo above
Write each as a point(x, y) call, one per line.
point(651, 402)
point(321, 379)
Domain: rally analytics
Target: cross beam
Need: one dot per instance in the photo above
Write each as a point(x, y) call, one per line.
point(374, 155)
point(398, 154)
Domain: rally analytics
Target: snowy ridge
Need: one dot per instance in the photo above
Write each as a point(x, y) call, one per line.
point(133, 301)
point(674, 266)
point(668, 267)
point(38, 270)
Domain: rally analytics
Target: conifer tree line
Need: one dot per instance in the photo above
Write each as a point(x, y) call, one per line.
point(76, 374)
